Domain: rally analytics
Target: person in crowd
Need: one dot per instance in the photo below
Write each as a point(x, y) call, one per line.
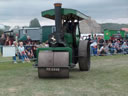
point(118, 46)
point(101, 42)
point(125, 48)
point(111, 48)
point(22, 53)
point(8, 41)
point(2, 39)
point(94, 48)
point(28, 40)
point(94, 38)
point(2, 42)
point(34, 48)
point(28, 50)
point(120, 41)
point(46, 44)
point(89, 38)
point(102, 51)
point(15, 44)
point(127, 42)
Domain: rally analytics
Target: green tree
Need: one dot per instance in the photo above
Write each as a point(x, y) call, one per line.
point(34, 23)
point(113, 26)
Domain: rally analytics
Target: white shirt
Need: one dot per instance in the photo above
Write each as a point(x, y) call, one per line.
point(21, 49)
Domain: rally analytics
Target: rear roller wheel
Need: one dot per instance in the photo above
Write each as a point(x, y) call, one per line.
point(84, 55)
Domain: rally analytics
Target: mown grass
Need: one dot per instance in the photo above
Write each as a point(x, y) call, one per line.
point(108, 77)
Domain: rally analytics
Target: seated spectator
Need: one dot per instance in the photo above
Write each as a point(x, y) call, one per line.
point(118, 46)
point(111, 48)
point(28, 40)
point(46, 44)
point(127, 42)
point(121, 41)
point(34, 48)
point(103, 51)
point(15, 44)
point(28, 50)
point(22, 53)
point(125, 48)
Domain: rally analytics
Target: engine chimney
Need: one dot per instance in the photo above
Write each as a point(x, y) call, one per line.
point(58, 21)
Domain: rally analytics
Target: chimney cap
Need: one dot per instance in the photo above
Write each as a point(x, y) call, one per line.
point(57, 4)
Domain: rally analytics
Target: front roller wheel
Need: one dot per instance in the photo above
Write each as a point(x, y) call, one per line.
point(84, 55)
point(53, 64)
point(62, 73)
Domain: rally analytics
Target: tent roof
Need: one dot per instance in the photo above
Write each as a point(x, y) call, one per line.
point(23, 38)
point(124, 29)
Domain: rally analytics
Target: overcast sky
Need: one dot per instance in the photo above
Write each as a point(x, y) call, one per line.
point(20, 12)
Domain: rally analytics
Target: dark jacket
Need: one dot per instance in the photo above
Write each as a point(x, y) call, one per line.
point(2, 41)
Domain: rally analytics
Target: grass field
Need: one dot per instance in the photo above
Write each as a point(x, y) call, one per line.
point(108, 77)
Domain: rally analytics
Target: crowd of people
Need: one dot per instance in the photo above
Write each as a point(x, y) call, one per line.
point(6, 40)
point(101, 47)
point(25, 50)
